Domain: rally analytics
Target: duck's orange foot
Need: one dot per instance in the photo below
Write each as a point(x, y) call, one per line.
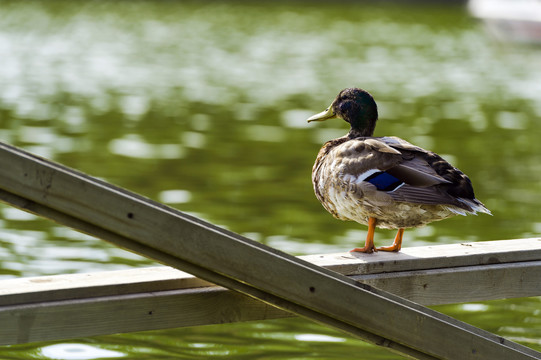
point(389, 248)
point(397, 244)
point(366, 249)
point(369, 247)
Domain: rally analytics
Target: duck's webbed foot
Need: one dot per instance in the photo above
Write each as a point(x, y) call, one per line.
point(369, 244)
point(397, 244)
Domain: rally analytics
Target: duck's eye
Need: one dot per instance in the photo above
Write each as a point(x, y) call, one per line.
point(345, 106)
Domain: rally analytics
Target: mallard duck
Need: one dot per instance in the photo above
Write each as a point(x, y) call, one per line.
point(384, 182)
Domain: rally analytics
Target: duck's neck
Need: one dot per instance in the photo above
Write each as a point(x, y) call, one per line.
point(366, 130)
point(354, 133)
point(363, 124)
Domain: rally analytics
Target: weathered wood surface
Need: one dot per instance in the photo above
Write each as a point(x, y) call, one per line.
point(442, 274)
point(433, 257)
point(80, 305)
point(222, 257)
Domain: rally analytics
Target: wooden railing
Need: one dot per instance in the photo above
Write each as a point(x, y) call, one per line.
point(292, 285)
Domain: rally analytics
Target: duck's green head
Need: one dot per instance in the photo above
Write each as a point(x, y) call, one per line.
point(355, 106)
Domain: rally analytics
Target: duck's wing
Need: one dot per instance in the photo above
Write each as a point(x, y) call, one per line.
point(405, 172)
point(451, 186)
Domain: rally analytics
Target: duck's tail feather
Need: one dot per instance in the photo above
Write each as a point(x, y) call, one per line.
point(474, 206)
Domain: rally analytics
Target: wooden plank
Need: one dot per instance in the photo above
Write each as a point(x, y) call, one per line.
point(426, 287)
point(81, 305)
point(43, 289)
point(463, 284)
point(432, 257)
point(431, 286)
point(60, 320)
point(223, 258)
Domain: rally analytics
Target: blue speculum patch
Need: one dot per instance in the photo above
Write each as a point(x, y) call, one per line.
point(384, 181)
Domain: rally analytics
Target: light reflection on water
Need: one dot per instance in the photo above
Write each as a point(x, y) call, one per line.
point(203, 107)
point(78, 352)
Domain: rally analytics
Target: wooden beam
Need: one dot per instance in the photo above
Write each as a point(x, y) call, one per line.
point(81, 305)
point(227, 259)
point(450, 274)
point(433, 257)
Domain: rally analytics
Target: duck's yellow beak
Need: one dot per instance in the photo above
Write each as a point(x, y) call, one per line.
point(327, 114)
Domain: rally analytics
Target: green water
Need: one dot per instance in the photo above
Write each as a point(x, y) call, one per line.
point(203, 106)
